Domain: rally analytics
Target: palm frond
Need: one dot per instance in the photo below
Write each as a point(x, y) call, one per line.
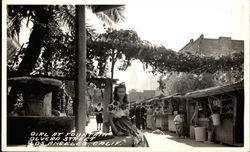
point(105, 18)
point(14, 26)
point(116, 14)
point(110, 16)
point(16, 14)
point(66, 16)
point(12, 47)
point(90, 29)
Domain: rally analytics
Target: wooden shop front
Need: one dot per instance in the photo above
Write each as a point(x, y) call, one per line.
point(226, 101)
point(173, 106)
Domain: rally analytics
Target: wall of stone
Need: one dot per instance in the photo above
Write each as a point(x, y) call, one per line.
point(221, 47)
point(237, 45)
point(210, 47)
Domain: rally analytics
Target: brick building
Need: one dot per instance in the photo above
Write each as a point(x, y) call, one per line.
point(222, 46)
point(214, 47)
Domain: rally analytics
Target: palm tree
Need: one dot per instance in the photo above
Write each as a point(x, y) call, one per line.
point(46, 19)
point(41, 16)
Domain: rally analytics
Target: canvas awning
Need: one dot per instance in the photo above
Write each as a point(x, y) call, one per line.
point(176, 95)
point(213, 91)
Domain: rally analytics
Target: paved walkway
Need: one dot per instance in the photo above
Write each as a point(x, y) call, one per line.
point(92, 126)
point(168, 140)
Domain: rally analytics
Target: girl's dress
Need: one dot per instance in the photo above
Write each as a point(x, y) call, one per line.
point(122, 123)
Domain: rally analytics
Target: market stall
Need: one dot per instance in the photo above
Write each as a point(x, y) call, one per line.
point(220, 110)
point(173, 105)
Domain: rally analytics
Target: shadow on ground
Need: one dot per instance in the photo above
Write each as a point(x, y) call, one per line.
point(192, 142)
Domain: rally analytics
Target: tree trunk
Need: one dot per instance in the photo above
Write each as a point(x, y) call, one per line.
point(112, 74)
point(112, 64)
point(29, 60)
point(112, 70)
point(33, 50)
point(106, 102)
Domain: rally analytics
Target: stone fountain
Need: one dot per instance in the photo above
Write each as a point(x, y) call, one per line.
point(37, 97)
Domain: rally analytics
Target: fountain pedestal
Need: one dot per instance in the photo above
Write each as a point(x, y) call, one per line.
point(34, 90)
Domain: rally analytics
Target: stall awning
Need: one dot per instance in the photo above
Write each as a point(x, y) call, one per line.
point(213, 91)
point(176, 95)
point(153, 98)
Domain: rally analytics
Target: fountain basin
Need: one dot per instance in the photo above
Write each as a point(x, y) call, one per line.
point(29, 84)
point(19, 128)
point(34, 90)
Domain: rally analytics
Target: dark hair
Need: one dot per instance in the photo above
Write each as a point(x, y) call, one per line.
point(116, 97)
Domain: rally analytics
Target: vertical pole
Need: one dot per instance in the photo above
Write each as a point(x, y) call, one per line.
point(234, 104)
point(107, 96)
point(188, 116)
point(81, 69)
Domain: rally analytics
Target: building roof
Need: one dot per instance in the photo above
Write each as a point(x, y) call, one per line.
point(190, 43)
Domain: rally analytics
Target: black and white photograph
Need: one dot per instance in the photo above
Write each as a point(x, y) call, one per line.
point(143, 75)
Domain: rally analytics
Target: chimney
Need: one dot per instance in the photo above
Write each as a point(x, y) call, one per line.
point(202, 36)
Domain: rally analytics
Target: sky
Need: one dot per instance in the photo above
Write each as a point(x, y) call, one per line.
point(172, 23)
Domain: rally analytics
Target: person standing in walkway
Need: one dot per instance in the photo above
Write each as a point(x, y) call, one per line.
point(158, 114)
point(150, 117)
point(138, 116)
point(143, 116)
point(132, 113)
point(179, 124)
point(98, 114)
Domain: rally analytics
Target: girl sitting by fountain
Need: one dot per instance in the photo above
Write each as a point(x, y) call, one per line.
point(119, 117)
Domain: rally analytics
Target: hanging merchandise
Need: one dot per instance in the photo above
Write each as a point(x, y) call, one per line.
point(200, 106)
point(217, 103)
point(194, 118)
point(171, 107)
